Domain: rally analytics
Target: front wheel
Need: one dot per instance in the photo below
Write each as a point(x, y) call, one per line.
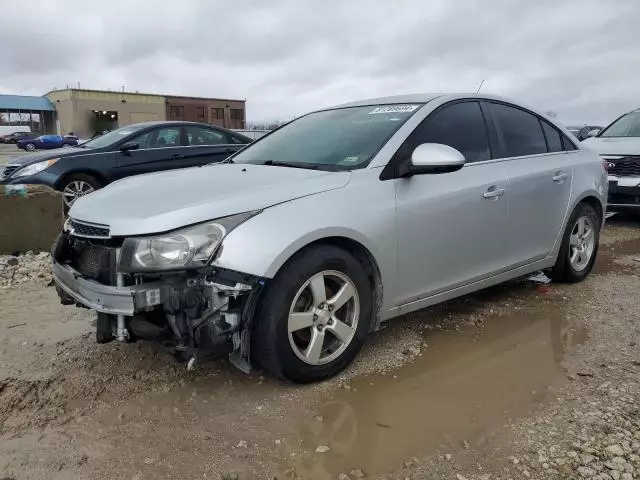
point(76, 186)
point(30, 146)
point(314, 316)
point(579, 245)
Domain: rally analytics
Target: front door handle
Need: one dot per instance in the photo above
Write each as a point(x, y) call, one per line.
point(493, 193)
point(559, 177)
point(175, 155)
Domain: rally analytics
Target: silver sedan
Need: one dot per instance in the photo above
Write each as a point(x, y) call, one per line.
point(288, 254)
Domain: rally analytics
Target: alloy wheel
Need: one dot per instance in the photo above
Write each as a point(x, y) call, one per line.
point(323, 317)
point(75, 190)
point(581, 243)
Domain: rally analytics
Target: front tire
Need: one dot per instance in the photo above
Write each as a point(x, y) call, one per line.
point(579, 245)
point(314, 316)
point(76, 186)
point(30, 147)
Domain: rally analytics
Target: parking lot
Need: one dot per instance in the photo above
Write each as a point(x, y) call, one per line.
point(7, 152)
point(467, 389)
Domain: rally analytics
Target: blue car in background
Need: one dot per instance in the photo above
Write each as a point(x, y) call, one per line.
point(47, 142)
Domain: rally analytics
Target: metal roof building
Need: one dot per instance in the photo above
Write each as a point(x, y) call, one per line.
point(37, 113)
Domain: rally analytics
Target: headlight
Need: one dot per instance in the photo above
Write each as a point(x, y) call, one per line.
point(186, 248)
point(34, 168)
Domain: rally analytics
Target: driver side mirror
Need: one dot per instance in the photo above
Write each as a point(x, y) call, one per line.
point(127, 147)
point(432, 158)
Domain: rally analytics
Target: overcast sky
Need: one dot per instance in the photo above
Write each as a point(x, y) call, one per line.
point(579, 58)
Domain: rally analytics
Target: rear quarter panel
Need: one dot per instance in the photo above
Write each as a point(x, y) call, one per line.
point(589, 180)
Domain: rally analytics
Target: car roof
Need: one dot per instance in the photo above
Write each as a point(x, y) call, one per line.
point(173, 122)
point(422, 98)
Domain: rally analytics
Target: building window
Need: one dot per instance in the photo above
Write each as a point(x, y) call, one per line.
point(217, 113)
point(237, 114)
point(176, 112)
point(200, 112)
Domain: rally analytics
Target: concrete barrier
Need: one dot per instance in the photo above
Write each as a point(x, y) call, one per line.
point(30, 222)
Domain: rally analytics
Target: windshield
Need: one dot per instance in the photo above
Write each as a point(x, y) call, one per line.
point(111, 137)
point(342, 139)
point(626, 126)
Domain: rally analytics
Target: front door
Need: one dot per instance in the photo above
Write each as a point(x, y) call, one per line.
point(158, 149)
point(451, 227)
point(540, 181)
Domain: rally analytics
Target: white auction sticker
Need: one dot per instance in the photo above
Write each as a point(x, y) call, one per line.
point(394, 109)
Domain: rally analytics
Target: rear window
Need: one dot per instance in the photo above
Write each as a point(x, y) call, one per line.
point(554, 141)
point(521, 131)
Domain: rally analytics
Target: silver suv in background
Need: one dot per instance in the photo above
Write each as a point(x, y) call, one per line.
point(290, 253)
point(619, 146)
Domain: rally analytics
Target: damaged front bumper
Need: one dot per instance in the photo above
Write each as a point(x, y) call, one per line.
point(112, 300)
point(201, 313)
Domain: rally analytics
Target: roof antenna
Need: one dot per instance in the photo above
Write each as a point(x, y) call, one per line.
point(481, 83)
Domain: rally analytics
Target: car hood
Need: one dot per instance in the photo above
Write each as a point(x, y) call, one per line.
point(25, 160)
point(164, 201)
point(614, 145)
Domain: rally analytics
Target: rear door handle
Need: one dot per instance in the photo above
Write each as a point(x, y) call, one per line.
point(493, 193)
point(559, 177)
point(176, 155)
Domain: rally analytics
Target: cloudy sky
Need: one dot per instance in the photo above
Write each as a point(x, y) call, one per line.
point(579, 58)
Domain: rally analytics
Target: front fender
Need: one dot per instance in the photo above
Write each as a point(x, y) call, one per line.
point(362, 212)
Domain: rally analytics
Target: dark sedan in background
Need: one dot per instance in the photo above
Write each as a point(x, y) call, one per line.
point(47, 142)
point(131, 150)
point(582, 132)
point(16, 136)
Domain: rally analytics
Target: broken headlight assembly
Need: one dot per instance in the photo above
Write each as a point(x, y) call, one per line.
point(190, 247)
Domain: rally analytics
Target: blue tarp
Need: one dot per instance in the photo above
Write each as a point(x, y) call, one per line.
point(26, 103)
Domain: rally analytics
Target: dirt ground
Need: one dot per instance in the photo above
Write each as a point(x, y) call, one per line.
point(518, 381)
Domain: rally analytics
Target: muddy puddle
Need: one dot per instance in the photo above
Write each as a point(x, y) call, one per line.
point(463, 387)
point(622, 257)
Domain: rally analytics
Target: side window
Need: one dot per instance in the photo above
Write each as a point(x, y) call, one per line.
point(460, 126)
point(521, 131)
point(568, 144)
point(163, 138)
point(237, 141)
point(552, 135)
point(142, 140)
point(202, 136)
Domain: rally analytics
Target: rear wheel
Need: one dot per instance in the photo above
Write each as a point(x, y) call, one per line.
point(314, 316)
point(579, 245)
point(76, 186)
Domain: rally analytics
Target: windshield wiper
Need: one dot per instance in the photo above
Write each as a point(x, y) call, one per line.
point(274, 163)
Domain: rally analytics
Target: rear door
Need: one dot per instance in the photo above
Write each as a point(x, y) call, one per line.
point(451, 226)
point(207, 145)
point(540, 181)
point(158, 149)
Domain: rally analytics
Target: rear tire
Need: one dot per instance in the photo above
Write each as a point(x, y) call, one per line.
point(329, 292)
point(579, 246)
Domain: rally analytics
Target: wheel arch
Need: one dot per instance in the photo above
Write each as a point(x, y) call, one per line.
point(363, 255)
point(595, 203)
point(86, 171)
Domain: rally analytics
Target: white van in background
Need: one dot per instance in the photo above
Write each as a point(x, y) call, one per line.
point(8, 129)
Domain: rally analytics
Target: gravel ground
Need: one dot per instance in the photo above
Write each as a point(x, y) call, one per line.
point(25, 269)
point(519, 381)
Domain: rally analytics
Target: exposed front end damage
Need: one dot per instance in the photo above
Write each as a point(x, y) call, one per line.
point(196, 313)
